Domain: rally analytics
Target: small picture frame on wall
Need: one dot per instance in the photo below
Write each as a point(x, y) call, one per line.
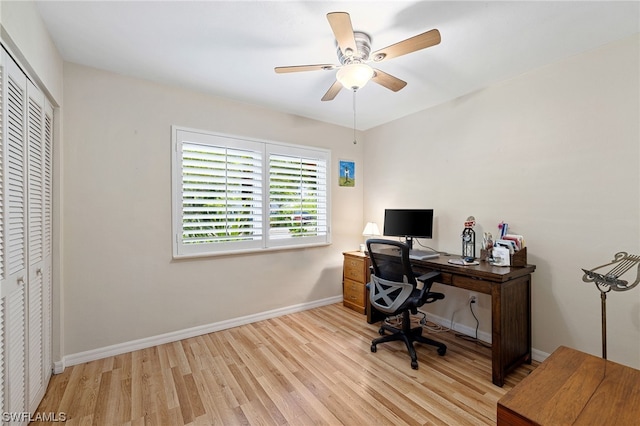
point(347, 173)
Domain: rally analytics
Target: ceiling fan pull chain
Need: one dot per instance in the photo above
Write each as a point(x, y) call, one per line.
point(354, 117)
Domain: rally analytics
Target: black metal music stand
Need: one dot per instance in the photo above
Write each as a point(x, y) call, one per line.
point(608, 281)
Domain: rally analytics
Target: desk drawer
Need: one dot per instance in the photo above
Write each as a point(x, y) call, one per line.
point(354, 269)
point(354, 292)
point(468, 283)
point(445, 278)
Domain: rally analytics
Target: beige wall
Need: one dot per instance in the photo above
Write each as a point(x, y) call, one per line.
point(121, 283)
point(556, 154)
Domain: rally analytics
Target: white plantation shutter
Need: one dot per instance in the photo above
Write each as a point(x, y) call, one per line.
point(232, 194)
point(221, 194)
point(297, 196)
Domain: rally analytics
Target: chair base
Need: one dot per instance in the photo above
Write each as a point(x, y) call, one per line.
point(408, 335)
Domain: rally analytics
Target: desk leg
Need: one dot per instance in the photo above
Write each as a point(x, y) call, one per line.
point(497, 369)
point(510, 326)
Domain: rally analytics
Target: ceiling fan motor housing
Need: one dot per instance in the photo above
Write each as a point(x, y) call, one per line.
point(363, 46)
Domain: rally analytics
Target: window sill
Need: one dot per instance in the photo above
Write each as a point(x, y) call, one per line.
point(246, 251)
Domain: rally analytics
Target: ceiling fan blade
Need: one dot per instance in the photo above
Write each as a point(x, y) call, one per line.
point(343, 31)
point(298, 68)
point(388, 81)
point(333, 91)
point(421, 41)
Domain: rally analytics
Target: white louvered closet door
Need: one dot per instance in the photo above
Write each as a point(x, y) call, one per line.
point(26, 155)
point(3, 404)
point(13, 292)
point(35, 253)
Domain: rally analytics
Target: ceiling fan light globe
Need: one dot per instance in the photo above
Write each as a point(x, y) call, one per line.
point(354, 76)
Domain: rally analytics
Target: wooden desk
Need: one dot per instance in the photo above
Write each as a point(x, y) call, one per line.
point(574, 388)
point(510, 291)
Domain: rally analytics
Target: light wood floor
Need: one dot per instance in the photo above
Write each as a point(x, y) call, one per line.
point(312, 367)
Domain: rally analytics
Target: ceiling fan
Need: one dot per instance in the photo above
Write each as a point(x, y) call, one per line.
point(354, 54)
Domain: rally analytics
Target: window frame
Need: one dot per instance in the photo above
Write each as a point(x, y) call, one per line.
point(266, 148)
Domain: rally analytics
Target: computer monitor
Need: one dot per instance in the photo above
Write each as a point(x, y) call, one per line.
point(408, 223)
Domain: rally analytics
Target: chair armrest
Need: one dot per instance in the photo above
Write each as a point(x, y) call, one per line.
point(427, 280)
point(429, 276)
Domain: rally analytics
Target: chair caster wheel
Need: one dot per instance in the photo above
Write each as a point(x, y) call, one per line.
point(414, 365)
point(381, 331)
point(373, 348)
point(442, 351)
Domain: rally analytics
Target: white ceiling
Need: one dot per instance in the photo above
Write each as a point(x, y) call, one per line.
point(229, 49)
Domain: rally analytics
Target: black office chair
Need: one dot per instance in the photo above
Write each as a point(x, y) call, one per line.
point(394, 290)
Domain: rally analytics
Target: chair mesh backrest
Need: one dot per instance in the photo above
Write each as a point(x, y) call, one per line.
point(388, 296)
point(390, 260)
point(392, 280)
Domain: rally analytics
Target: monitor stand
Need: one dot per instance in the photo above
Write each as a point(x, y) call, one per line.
point(409, 241)
point(420, 254)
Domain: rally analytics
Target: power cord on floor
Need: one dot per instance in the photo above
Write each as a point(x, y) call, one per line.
point(433, 327)
point(430, 326)
point(470, 338)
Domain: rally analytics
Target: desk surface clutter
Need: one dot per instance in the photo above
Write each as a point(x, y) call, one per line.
point(463, 262)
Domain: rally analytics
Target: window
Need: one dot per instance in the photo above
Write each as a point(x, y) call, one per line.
point(232, 194)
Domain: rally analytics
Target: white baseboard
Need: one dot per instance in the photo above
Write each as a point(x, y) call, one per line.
point(121, 348)
point(539, 355)
point(536, 355)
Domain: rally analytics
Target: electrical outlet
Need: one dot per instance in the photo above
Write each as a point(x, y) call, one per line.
point(473, 298)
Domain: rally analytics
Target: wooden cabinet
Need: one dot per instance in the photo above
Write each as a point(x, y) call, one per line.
point(355, 275)
point(573, 388)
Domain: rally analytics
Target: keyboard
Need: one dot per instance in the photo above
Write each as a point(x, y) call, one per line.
point(423, 255)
